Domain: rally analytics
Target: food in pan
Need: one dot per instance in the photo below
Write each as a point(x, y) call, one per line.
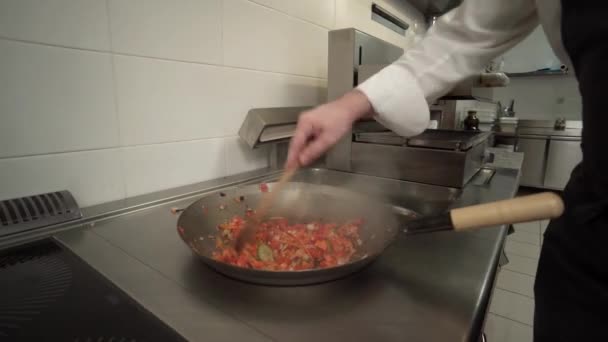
point(283, 246)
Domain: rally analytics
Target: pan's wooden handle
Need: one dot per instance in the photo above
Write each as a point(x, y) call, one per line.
point(520, 209)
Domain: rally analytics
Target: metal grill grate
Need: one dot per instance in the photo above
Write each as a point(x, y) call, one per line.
point(32, 212)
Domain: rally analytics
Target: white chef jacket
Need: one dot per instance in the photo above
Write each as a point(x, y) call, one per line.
point(460, 44)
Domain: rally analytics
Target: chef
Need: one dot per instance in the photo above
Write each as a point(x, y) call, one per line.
point(571, 290)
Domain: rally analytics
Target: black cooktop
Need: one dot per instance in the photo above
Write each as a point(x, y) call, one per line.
point(49, 294)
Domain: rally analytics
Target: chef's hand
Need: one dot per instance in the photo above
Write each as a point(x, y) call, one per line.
point(322, 127)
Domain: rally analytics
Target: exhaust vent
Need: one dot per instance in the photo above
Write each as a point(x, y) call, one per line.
point(33, 212)
point(389, 20)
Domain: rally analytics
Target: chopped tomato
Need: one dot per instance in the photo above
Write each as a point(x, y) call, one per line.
point(264, 187)
point(322, 245)
point(281, 246)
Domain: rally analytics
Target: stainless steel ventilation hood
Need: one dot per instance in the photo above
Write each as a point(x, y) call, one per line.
point(433, 7)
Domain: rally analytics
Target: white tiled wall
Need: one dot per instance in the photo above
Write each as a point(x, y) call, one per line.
point(93, 176)
point(55, 99)
point(281, 43)
point(113, 98)
point(163, 101)
point(185, 30)
point(158, 166)
point(320, 12)
point(73, 23)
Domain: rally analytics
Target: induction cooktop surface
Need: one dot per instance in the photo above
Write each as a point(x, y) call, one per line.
point(49, 294)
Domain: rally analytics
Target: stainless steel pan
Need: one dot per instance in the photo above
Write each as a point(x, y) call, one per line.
point(304, 202)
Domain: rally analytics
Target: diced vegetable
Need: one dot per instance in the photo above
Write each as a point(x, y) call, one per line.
point(264, 252)
point(282, 246)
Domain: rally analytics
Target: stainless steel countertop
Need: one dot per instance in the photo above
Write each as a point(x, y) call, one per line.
point(505, 159)
point(549, 132)
point(433, 287)
point(541, 132)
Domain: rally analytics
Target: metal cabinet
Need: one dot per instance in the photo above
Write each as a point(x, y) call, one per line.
point(533, 168)
point(564, 154)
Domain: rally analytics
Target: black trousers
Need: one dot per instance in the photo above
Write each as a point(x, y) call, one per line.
point(571, 289)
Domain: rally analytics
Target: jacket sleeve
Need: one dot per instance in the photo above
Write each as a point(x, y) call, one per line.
point(461, 43)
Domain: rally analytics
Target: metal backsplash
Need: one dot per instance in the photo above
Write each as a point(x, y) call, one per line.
point(350, 51)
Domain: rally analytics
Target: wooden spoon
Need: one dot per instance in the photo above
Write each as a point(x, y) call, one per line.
point(266, 202)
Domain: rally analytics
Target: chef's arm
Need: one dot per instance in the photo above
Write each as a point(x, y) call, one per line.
point(460, 44)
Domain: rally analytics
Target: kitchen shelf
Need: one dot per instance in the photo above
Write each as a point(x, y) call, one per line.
point(537, 73)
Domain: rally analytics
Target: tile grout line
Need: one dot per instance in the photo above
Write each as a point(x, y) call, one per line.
point(521, 255)
point(222, 9)
point(524, 232)
point(293, 16)
point(27, 41)
point(527, 243)
point(225, 155)
point(514, 271)
point(116, 147)
point(514, 320)
point(34, 155)
point(165, 59)
point(520, 228)
point(524, 256)
point(335, 14)
point(510, 319)
point(513, 292)
point(506, 269)
point(121, 160)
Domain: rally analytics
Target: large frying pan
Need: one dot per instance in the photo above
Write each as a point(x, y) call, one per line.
point(304, 202)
